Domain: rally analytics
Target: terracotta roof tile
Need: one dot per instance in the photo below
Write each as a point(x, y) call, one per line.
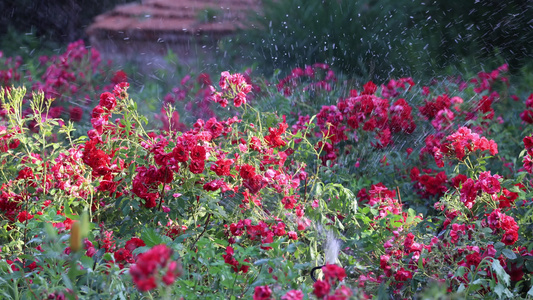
point(158, 25)
point(168, 15)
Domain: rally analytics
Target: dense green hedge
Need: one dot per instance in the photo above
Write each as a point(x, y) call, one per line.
point(380, 38)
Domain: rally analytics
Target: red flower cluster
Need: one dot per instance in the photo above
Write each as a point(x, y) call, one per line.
point(507, 224)
point(293, 80)
point(485, 80)
point(263, 293)
point(431, 109)
point(460, 144)
point(149, 265)
point(382, 199)
point(124, 255)
point(528, 158)
point(322, 290)
point(429, 184)
point(393, 87)
point(146, 183)
point(11, 75)
point(102, 165)
point(230, 260)
point(487, 183)
point(273, 138)
point(197, 107)
point(63, 76)
point(527, 114)
point(6, 140)
point(262, 232)
point(398, 248)
point(333, 273)
point(368, 111)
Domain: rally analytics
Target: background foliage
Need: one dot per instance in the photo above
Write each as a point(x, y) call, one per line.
point(384, 38)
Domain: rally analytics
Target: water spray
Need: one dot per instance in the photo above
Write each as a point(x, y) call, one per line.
point(332, 248)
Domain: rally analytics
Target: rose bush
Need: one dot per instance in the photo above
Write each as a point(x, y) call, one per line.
point(398, 191)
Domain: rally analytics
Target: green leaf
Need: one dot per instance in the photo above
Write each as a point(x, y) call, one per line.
point(109, 256)
point(499, 290)
point(261, 261)
point(460, 271)
point(500, 272)
point(86, 262)
point(140, 250)
point(152, 238)
point(497, 245)
point(509, 253)
point(529, 265)
point(318, 191)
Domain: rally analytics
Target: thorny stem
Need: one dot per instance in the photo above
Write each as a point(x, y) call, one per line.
point(26, 221)
point(399, 196)
point(318, 161)
point(203, 231)
point(305, 189)
point(233, 285)
point(248, 287)
point(162, 191)
point(29, 285)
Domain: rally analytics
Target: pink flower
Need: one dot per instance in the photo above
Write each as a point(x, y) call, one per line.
point(488, 183)
point(293, 295)
point(342, 293)
point(456, 232)
point(292, 235)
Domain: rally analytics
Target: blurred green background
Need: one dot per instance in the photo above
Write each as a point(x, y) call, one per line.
point(27, 26)
point(375, 39)
point(387, 38)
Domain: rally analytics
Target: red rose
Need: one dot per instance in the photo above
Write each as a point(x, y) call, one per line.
point(262, 293)
point(76, 113)
point(333, 273)
point(108, 100)
point(123, 254)
point(134, 243)
point(292, 235)
point(321, 288)
point(254, 184)
point(198, 153)
point(247, 171)
point(197, 166)
point(510, 237)
point(403, 275)
point(369, 88)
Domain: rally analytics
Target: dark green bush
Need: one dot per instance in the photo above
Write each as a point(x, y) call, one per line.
point(47, 23)
point(390, 37)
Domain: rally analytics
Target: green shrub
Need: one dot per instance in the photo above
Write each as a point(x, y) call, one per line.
point(384, 38)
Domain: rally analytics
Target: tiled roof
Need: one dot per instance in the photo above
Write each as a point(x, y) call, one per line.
point(146, 32)
point(172, 17)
